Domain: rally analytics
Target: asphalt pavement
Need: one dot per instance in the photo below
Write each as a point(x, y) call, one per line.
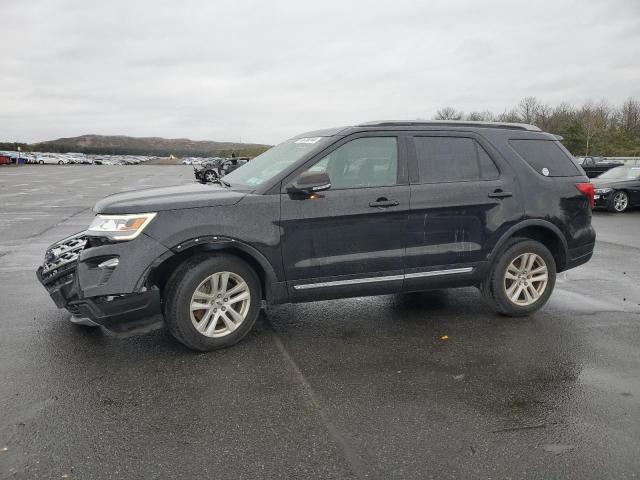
point(355, 388)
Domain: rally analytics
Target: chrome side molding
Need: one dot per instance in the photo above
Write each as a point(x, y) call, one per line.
point(386, 278)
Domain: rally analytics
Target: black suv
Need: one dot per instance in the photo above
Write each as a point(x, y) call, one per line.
point(378, 208)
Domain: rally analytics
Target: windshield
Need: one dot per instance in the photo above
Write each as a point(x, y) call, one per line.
point(622, 173)
point(273, 161)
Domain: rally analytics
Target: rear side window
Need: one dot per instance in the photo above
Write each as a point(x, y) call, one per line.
point(452, 159)
point(546, 157)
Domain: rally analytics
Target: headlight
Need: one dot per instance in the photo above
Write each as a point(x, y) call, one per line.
point(120, 227)
point(600, 191)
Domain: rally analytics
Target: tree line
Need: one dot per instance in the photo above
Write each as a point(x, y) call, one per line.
point(593, 128)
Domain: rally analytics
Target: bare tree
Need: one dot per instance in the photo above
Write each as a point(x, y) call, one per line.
point(448, 113)
point(629, 116)
point(510, 116)
point(484, 116)
point(594, 120)
point(528, 109)
point(544, 116)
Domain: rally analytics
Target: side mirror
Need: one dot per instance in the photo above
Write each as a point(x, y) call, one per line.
point(310, 182)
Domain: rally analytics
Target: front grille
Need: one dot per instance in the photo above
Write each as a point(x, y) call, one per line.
point(60, 259)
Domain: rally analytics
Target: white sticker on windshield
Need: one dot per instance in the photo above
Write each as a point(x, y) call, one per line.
point(308, 140)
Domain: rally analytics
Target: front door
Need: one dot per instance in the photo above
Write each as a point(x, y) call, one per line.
point(349, 240)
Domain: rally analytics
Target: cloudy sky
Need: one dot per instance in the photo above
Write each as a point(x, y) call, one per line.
point(261, 71)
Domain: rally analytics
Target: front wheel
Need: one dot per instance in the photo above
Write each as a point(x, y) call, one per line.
point(212, 301)
point(619, 201)
point(521, 279)
point(210, 176)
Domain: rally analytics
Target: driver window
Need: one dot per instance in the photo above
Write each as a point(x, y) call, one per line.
point(363, 162)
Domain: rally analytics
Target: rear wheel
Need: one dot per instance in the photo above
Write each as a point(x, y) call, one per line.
point(41, 162)
point(212, 301)
point(619, 201)
point(60, 162)
point(521, 279)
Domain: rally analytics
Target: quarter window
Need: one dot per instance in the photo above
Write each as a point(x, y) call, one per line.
point(547, 157)
point(363, 162)
point(453, 159)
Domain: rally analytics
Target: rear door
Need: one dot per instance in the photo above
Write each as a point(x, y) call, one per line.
point(349, 240)
point(461, 195)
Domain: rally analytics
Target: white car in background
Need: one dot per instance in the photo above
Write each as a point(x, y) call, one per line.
point(44, 159)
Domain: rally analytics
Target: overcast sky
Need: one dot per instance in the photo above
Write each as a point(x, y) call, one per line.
point(262, 71)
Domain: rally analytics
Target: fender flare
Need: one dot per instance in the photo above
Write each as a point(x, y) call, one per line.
point(218, 242)
point(532, 222)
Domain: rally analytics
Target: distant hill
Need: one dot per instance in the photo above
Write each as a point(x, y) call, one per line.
point(123, 145)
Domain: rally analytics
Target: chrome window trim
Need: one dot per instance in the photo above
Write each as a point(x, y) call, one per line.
point(387, 278)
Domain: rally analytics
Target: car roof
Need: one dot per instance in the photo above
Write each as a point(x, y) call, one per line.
point(418, 124)
point(450, 123)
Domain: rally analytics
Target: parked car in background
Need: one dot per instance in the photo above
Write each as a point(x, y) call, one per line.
point(377, 208)
point(594, 166)
point(216, 168)
point(618, 189)
point(50, 159)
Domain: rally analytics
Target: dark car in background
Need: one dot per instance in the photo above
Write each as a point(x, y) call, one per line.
point(618, 189)
point(594, 166)
point(212, 170)
point(377, 208)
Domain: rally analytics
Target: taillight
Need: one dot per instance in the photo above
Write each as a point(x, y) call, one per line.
point(587, 190)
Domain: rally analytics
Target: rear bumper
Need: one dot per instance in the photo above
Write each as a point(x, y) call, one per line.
point(579, 256)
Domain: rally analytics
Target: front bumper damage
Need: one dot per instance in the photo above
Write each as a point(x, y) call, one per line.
point(101, 284)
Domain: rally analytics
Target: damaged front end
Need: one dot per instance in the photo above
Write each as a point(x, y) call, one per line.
point(78, 277)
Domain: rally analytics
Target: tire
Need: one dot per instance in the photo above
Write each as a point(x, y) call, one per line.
point(209, 176)
point(191, 282)
point(619, 201)
point(499, 290)
point(60, 162)
point(41, 162)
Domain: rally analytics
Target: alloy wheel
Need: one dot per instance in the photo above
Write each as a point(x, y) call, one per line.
point(220, 304)
point(525, 279)
point(209, 176)
point(620, 201)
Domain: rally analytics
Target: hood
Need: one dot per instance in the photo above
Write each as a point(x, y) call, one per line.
point(168, 198)
point(610, 182)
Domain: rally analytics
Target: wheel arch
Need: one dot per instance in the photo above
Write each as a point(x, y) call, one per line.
point(160, 270)
point(542, 231)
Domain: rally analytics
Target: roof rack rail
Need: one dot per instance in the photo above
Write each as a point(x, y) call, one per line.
point(449, 123)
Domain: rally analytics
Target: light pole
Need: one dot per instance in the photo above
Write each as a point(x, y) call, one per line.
point(18, 160)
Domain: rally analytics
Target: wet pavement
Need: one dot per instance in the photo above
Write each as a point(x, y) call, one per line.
point(356, 388)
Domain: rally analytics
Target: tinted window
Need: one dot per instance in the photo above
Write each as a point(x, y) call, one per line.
point(546, 157)
point(488, 169)
point(452, 159)
point(364, 162)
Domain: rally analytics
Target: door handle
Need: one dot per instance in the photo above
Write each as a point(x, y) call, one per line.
point(500, 194)
point(383, 202)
